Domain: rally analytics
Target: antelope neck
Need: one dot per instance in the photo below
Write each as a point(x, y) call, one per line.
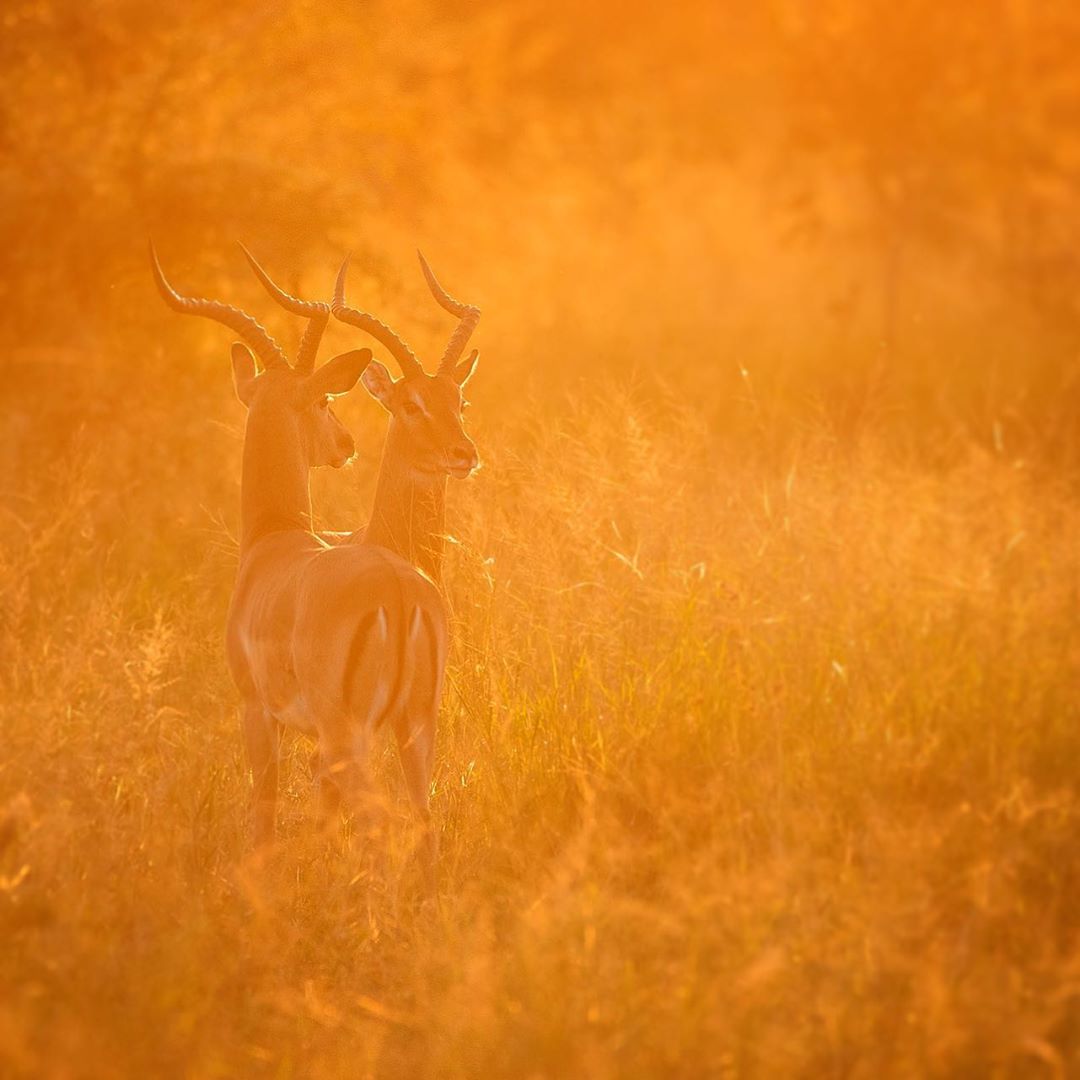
point(409, 512)
point(274, 489)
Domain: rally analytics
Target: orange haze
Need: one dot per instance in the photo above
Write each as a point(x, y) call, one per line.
point(758, 753)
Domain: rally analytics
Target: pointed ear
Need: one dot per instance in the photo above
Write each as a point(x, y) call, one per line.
point(337, 376)
point(379, 383)
point(243, 372)
point(464, 371)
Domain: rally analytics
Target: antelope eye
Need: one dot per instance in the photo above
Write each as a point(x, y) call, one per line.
point(410, 408)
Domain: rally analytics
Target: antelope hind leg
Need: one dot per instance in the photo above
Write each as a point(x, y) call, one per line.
point(416, 748)
point(261, 740)
point(328, 793)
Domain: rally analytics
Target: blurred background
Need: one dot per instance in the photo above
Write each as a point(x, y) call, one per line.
point(871, 205)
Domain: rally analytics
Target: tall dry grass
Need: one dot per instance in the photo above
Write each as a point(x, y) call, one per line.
point(758, 755)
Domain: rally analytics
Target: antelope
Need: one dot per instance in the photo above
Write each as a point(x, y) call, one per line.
point(331, 641)
point(425, 441)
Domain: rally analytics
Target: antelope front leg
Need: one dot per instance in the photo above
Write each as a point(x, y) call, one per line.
point(261, 740)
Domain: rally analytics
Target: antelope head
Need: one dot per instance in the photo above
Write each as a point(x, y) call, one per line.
point(426, 410)
point(291, 400)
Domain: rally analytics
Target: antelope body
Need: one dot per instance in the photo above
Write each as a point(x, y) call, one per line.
point(332, 641)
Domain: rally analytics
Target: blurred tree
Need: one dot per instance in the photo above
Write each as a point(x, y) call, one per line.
point(264, 122)
point(923, 126)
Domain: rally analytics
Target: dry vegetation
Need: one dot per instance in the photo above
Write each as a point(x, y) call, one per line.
point(759, 755)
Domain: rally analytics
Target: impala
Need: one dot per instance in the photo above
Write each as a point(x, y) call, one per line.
point(332, 641)
point(425, 441)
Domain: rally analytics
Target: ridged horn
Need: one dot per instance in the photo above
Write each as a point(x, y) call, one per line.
point(317, 314)
point(401, 352)
point(468, 315)
point(266, 348)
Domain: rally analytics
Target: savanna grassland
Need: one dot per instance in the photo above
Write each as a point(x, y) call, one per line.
point(760, 752)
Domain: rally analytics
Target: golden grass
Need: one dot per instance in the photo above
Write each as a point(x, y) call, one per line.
point(758, 756)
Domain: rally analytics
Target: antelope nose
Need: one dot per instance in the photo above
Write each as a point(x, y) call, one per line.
point(464, 457)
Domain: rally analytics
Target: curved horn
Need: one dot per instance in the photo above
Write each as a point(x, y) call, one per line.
point(266, 348)
point(380, 331)
point(317, 314)
point(468, 315)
